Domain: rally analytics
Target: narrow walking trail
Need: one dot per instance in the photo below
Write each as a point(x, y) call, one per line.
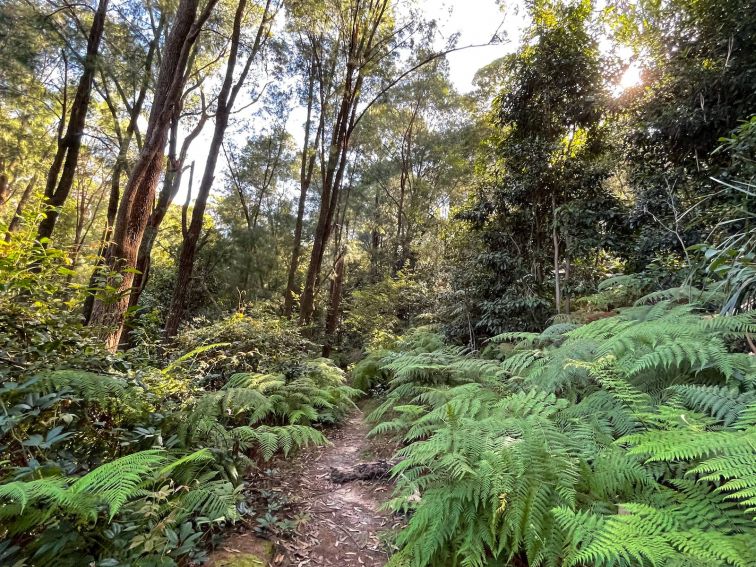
point(336, 524)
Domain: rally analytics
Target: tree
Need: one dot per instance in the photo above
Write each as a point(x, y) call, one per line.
point(226, 99)
point(547, 156)
point(138, 72)
point(360, 42)
point(60, 177)
point(698, 85)
point(307, 159)
point(134, 209)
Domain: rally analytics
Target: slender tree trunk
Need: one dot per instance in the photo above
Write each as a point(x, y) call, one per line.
point(360, 46)
point(135, 111)
point(4, 190)
point(171, 185)
point(226, 99)
point(557, 280)
point(567, 269)
point(121, 163)
point(375, 238)
point(334, 306)
point(139, 193)
point(61, 175)
point(15, 222)
point(397, 264)
point(305, 179)
point(337, 157)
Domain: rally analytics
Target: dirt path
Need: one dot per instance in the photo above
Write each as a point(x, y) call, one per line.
point(336, 524)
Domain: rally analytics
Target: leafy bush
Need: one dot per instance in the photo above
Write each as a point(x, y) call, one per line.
point(379, 312)
point(244, 343)
point(626, 441)
point(39, 325)
point(124, 466)
point(369, 372)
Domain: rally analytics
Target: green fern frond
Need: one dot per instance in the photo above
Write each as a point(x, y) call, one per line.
point(114, 483)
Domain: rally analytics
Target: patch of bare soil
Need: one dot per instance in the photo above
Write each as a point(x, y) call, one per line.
point(337, 523)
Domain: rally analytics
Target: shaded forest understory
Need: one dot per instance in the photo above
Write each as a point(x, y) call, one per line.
point(247, 246)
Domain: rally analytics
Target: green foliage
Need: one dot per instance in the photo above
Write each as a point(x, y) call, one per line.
point(259, 343)
point(625, 441)
point(39, 325)
point(369, 373)
point(130, 467)
point(381, 311)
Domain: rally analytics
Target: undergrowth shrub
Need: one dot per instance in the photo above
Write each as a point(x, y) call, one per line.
point(626, 441)
point(153, 467)
point(255, 342)
point(107, 460)
point(39, 323)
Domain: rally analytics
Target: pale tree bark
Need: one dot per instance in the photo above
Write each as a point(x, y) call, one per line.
point(86, 213)
point(334, 305)
point(139, 193)
point(226, 98)
point(15, 222)
point(61, 174)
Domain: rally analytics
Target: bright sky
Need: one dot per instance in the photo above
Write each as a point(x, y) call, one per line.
point(475, 20)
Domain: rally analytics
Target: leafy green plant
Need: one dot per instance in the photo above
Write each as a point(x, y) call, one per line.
point(625, 441)
point(260, 343)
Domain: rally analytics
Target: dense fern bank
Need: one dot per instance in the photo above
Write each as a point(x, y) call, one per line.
point(624, 441)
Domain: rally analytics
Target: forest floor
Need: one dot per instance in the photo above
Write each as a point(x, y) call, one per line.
point(325, 523)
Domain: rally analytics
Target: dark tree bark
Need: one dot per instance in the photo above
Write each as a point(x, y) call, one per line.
point(405, 183)
point(171, 185)
point(61, 174)
point(226, 99)
point(124, 143)
point(4, 190)
point(135, 110)
point(360, 47)
point(139, 193)
point(305, 180)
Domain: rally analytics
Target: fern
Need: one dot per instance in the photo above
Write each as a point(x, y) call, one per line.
point(115, 482)
point(89, 385)
point(626, 441)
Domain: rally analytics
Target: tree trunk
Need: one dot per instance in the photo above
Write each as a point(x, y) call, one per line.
point(375, 238)
point(359, 48)
point(171, 185)
point(557, 280)
point(305, 180)
point(15, 222)
point(123, 150)
point(61, 175)
point(4, 190)
point(139, 193)
point(226, 99)
point(334, 306)
point(337, 157)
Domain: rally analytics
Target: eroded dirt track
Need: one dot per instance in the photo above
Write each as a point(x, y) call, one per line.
point(338, 524)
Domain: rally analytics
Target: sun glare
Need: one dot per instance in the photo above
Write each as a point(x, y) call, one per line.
point(630, 78)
